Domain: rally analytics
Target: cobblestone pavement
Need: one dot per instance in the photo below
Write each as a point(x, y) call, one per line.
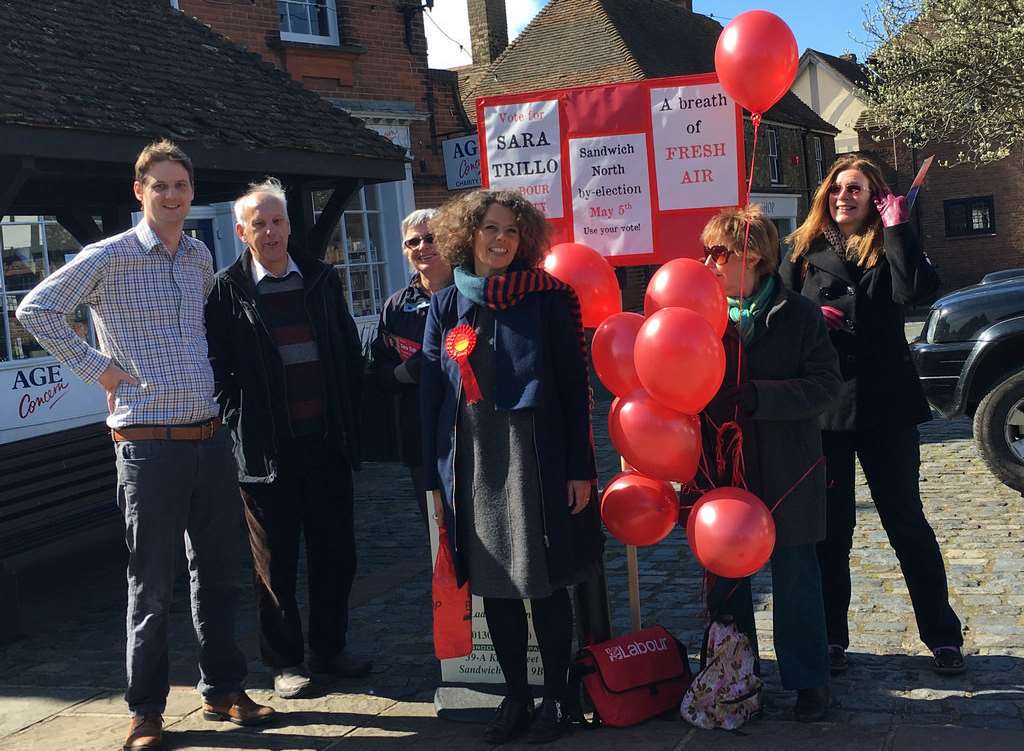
point(60, 685)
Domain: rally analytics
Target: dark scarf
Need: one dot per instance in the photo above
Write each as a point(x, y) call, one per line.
point(503, 291)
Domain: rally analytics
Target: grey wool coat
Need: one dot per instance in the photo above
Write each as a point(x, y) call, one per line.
point(794, 371)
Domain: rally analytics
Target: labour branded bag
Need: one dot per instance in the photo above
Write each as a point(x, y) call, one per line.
point(635, 677)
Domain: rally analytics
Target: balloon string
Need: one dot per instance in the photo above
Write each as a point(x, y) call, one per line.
point(797, 483)
point(755, 119)
point(731, 448)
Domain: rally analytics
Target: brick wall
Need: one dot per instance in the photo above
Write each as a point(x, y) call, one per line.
point(797, 173)
point(960, 260)
point(371, 63)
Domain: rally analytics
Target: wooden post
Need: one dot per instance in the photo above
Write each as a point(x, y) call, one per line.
point(633, 576)
point(634, 587)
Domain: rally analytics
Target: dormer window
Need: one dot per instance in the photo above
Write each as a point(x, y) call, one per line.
point(310, 21)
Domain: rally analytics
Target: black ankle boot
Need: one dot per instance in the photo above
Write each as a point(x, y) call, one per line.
point(811, 704)
point(549, 723)
point(510, 720)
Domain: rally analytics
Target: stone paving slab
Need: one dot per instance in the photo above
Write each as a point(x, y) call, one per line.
point(22, 706)
point(60, 685)
point(968, 739)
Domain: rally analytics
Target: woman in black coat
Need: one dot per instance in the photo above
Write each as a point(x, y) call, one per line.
point(788, 376)
point(396, 350)
point(505, 408)
point(857, 258)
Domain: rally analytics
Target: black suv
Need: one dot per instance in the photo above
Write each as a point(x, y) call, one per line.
point(970, 356)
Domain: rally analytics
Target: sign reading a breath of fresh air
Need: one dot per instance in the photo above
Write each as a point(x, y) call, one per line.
point(633, 170)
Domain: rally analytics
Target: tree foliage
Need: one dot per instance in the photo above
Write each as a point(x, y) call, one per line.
point(949, 71)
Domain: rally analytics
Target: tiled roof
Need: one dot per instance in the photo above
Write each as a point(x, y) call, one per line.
point(586, 42)
point(139, 68)
point(852, 71)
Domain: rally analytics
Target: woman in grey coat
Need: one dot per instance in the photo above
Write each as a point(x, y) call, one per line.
point(788, 375)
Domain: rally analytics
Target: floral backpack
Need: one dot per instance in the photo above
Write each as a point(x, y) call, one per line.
point(726, 692)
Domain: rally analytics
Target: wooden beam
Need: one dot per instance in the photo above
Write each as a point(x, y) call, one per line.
point(320, 234)
point(300, 215)
point(13, 175)
point(80, 224)
point(116, 218)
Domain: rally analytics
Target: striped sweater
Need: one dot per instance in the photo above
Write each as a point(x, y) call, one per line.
point(283, 307)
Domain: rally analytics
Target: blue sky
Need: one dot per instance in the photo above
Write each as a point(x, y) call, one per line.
point(827, 25)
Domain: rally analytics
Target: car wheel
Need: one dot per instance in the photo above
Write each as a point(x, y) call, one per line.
point(999, 430)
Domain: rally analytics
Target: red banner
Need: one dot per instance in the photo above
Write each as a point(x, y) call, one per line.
point(633, 169)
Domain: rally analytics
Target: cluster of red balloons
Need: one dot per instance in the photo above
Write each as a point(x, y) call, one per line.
point(664, 367)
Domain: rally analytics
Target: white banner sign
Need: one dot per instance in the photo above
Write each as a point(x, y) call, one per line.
point(524, 153)
point(695, 147)
point(611, 196)
point(462, 162)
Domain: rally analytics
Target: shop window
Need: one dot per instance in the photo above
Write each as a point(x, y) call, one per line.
point(970, 216)
point(355, 248)
point(32, 247)
point(774, 172)
point(819, 159)
point(312, 21)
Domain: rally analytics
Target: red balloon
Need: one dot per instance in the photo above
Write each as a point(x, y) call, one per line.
point(679, 359)
point(731, 532)
point(687, 283)
point(639, 510)
point(586, 271)
point(612, 351)
point(655, 440)
point(756, 59)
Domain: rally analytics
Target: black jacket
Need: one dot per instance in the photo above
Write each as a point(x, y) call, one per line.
point(880, 386)
point(397, 359)
point(249, 375)
point(794, 374)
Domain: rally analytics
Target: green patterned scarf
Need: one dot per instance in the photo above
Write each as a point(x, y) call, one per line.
point(746, 312)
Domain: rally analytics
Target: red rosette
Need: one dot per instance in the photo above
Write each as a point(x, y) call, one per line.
point(459, 344)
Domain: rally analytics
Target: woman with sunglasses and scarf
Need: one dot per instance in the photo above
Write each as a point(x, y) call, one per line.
point(781, 374)
point(857, 258)
point(506, 433)
point(396, 349)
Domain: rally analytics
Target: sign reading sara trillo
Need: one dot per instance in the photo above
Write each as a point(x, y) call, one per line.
point(634, 169)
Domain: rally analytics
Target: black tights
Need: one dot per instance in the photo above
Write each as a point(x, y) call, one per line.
point(552, 622)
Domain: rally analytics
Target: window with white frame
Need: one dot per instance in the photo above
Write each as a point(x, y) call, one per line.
point(32, 247)
point(355, 248)
point(312, 21)
point(819, 159)
point(773, 155)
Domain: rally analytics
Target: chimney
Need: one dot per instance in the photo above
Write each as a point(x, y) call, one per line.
point(686, 5)
point(488, 30)
point(848, 57)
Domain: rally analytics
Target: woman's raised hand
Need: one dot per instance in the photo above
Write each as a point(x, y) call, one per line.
point(893, 209)
point(579, 495)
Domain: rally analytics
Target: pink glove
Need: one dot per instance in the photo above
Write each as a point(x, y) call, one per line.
point(893, 209)
point(835, 319)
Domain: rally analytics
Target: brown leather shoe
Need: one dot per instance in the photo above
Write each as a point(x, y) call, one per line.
point(146, 731)
point(237, 708)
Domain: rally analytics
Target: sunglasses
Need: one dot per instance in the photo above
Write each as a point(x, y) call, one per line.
point(718, 253)
point(416, 240)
